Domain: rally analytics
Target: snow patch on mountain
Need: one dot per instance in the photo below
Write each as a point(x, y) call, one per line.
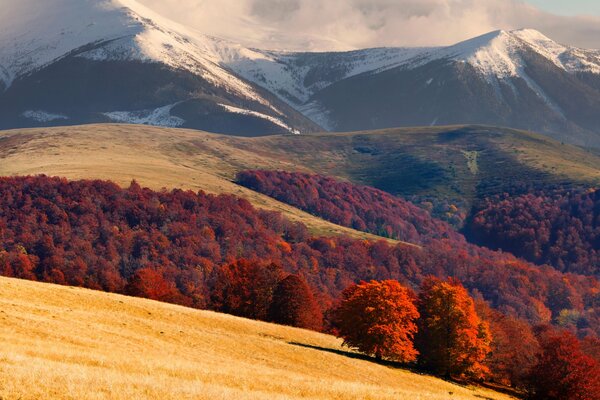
point(295, 77)
point(269, 118)
point(36, 35)
point(158, 117)
point(43, 116)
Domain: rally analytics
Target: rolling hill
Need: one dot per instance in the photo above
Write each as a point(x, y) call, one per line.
point(70, 343)
point(457, 164)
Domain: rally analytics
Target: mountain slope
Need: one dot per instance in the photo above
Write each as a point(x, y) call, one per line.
point(455, 165)
point(152, 350)
point(67, 62)
point(155, 157)
point(520, 79)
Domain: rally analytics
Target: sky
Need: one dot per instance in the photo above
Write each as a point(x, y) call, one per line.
point(568, 7)
point(318, 25)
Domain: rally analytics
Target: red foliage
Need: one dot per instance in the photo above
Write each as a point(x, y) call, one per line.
point(560, 228)
point(294, 304)
point(563, 371)
point(378, 318)
point(514, 347)
point(360, 207)
point(452, 339)
point(150, 283)
point(245, 288)
point(95, 234)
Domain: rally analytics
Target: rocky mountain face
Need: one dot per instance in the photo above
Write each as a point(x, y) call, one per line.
point(519, 79)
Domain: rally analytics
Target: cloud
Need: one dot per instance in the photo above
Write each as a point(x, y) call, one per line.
point(346, 24)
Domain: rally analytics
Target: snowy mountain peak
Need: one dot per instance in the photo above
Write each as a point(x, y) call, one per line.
point(107, 30)
point(499, 53)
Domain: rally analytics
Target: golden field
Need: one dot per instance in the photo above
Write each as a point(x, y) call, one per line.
point(61, 342)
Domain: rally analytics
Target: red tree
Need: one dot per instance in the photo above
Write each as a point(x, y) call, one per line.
point(245, 288)
point(378, 318)
point(514, 347)
point(563, 371)
point(150, 283)
point(294, 304)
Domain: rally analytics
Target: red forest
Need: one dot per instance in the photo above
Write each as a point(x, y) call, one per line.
point(558, 227)
point(174, 246)
point(360, 207)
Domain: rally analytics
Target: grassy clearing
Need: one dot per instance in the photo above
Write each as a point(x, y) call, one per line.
point(70, 343)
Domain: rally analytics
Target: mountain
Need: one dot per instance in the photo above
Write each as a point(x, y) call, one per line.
point(66, 62)
point(519, 79)
point(70, 61)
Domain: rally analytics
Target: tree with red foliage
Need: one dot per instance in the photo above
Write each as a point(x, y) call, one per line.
point(560, 227)
point(245, 288)
point(150, 283)
point(359, 207)
point(563, 371)
point(514, 347)
point(378, 318)
point(452, 341)
point(96, 234)
point(294, 304)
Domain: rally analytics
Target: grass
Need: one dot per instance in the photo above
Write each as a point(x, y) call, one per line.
point(70, 343)
point(155, 157)
point(455, 163)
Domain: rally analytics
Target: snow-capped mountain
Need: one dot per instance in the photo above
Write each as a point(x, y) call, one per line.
point(81, 61)
point(116, 60)
point(515, 78)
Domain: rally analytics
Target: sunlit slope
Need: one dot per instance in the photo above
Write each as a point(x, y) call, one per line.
point(459, 163)
point(155, 157)
point(69, 343)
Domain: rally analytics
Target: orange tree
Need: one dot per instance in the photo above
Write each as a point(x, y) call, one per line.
point(378, 318)
point(452, 340)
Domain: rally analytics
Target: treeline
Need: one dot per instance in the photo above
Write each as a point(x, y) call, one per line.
point(556, 227)
point(175, 245)
point(360, 207)
point(444, 332)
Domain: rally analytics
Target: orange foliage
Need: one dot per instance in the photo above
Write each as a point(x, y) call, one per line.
point(514, 347)
point(378, 318)
point(452, 339)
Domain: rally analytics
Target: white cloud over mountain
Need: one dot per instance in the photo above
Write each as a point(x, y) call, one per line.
point(345, 24)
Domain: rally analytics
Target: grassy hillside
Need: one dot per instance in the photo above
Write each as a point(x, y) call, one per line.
point(457, 163)
point(70, 343)
point(155, 157)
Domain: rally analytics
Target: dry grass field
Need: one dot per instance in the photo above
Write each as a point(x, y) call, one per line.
point(61, 342)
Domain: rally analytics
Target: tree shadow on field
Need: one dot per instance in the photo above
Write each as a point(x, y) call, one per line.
point(414, 369)
point(358, 356)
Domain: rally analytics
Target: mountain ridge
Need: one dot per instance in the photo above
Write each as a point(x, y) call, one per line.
point(142, 68)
